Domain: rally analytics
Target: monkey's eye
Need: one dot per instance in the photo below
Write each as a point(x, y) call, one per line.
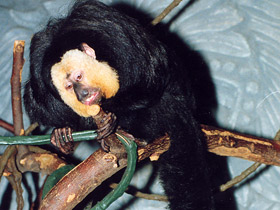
point(69, 86)
point(78, 77)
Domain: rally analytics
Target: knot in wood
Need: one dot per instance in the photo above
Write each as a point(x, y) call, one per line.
point(110, 158)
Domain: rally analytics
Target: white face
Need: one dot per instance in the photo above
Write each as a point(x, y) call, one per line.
point(81, 81)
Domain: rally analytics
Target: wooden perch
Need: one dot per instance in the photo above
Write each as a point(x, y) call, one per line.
point(74, 187)
point(226, 143)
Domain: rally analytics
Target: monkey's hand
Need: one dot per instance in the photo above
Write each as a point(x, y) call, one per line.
point(63, 140)
point(106, 126)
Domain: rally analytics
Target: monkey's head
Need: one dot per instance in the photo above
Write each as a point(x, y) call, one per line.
point(82, 81)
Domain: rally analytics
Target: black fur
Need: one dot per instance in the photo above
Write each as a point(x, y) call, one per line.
point(154, 96)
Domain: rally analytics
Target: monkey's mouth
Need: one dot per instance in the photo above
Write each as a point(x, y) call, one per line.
point(94, 98)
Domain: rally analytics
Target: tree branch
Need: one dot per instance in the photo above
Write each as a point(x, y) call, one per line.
point(95, 169)
point(166, 11)
point(18, 62)
point(7, 126)
point(226, 143)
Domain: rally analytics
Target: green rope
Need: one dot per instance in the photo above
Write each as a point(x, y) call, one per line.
point(44, 139)
point(131, 149)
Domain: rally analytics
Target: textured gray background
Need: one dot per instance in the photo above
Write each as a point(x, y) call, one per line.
point(239, 39)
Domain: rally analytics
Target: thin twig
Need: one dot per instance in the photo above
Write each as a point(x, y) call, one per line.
point(165, 12)
point(7, 126)
point(15, 180)
point(18, 62)
point(139, 194)
point(31, 128)
point(5, 157)
point(240, 177)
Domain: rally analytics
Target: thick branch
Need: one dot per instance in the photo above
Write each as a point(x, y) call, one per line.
point(97, 168)
point(226, 143)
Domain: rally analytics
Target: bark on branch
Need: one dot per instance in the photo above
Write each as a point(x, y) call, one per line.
point(226, 143)
point(18, 62)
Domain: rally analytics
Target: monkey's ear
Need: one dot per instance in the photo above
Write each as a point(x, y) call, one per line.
point(88, 50)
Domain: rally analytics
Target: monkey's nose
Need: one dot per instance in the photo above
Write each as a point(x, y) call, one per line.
point(84, 92)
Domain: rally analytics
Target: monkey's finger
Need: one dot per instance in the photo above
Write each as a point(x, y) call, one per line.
point(108, 118)
point(65, 135)
point(104, 146)
point(109, 123)
point(69, 143)
point(105, 117)
point(54, 137)
point(66, 140)
point(104, 132)
point(60, 142)
point(61, 136)
point(69, 134)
